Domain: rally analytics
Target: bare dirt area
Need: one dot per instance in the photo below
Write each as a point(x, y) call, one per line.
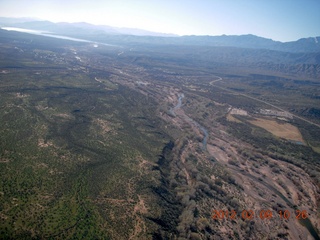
point(139, 226)
point(266, 183)
point(103, 124)
point(266, 190)
point(43, 143)
point(247, 179)
point(283, 130)
point(232, 118)
point(4, 160)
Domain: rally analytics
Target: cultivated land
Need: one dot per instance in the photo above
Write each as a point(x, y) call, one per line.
point(146, 141)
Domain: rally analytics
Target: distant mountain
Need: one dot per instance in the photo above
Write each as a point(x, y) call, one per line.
point(252, 41)
point(4, 20)
point(180, 50)
point(75, 28)
point(113, 35)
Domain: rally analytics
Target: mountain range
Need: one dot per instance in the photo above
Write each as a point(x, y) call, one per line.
point(75, 28)
point(113, 35)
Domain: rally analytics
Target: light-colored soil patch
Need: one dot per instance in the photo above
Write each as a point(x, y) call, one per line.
point(19, 95)
point(219, 154)
point(42, 165)
point(3, 216)
point(283, 130)
point(41, 108)
point(64, 115)
point(237, 111)
point(144, 165)
point(103, 124)
point(4, 160)
point(140, 207)
point(316, 149)
point(42, 143)
point(231, 118)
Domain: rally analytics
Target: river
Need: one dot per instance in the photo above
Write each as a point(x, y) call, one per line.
point(190, 120)
point(305, 222)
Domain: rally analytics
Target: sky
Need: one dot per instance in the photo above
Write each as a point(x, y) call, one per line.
point(281, 20)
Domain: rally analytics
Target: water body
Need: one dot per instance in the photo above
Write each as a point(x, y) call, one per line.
point(49, 34)
point(307, 223)
point(297, 142)
point(202, 129)
point(179, 104)
point(304, 222)
point(180, 97)
point(205, 138)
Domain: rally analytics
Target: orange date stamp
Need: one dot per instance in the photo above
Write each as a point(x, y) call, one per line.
point(261, 214)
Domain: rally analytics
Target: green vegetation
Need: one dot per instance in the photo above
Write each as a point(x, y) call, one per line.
point(66, 146)
point(90, 146)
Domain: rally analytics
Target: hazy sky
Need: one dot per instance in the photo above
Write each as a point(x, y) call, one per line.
point(283, 20)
